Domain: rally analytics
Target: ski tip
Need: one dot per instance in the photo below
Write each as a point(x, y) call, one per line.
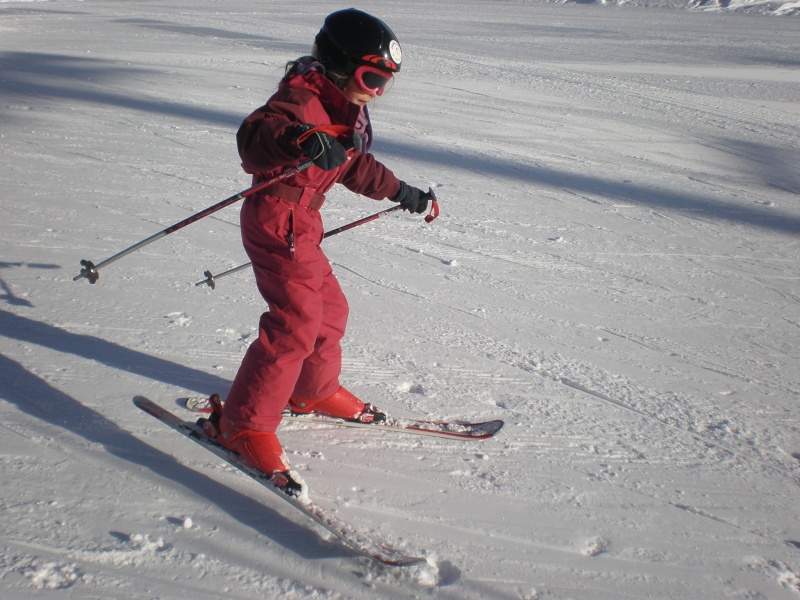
point(488, 429)
point(498, 425)
point(405, 561)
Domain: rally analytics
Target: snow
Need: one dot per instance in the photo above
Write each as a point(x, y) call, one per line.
point(614, 273)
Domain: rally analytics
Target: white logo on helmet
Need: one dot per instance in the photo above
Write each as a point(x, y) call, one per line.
point(394, 50)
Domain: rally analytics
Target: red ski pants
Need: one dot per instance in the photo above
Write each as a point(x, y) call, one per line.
point(298, 348)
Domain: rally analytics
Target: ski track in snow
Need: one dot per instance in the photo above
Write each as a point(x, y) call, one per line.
point(614, 274)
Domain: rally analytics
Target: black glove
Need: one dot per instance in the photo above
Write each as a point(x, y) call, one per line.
point(412, 199)
point(323, 149)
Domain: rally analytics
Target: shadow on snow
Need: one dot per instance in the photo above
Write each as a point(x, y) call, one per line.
point(68, 78)
point(37, 398)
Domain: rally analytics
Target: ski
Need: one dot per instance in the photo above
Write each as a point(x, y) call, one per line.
point(445, 429)
point(357, 540)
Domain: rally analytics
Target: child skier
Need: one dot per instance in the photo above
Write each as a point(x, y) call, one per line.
point(297, 358)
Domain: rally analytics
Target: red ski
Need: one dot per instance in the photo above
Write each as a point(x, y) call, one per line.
point(357, 540)
point(446, 429)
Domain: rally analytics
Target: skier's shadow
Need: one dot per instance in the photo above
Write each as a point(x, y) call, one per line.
point(101, 351)
point(39, 399)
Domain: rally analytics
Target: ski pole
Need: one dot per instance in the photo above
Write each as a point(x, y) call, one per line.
point(211, 280)
point(90, 270)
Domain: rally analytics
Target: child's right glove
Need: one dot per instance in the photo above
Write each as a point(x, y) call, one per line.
point(412, 199)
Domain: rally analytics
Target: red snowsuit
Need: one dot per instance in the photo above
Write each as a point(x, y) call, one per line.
point(298, 348)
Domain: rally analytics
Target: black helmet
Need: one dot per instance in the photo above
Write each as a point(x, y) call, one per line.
point(350, 38)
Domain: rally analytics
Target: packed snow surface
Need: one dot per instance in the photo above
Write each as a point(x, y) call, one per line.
point(615, 273)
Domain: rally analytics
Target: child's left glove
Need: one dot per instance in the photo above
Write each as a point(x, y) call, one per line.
point(412, 199)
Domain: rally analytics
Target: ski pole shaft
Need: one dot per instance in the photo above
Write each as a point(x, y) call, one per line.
point(377, 215)
point(211, 280)
point(90, 270)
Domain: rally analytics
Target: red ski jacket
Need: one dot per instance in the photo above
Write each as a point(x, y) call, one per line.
point(265, 139)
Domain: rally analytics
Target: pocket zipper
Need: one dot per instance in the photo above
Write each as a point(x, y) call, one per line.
point(290, 237)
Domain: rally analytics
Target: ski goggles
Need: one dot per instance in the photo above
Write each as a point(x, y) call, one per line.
point(372, 80)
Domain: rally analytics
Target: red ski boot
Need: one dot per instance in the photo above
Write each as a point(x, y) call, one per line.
point(342, 405)
point(259, 449)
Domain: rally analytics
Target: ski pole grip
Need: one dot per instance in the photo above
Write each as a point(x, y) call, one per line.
point(434, 212)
